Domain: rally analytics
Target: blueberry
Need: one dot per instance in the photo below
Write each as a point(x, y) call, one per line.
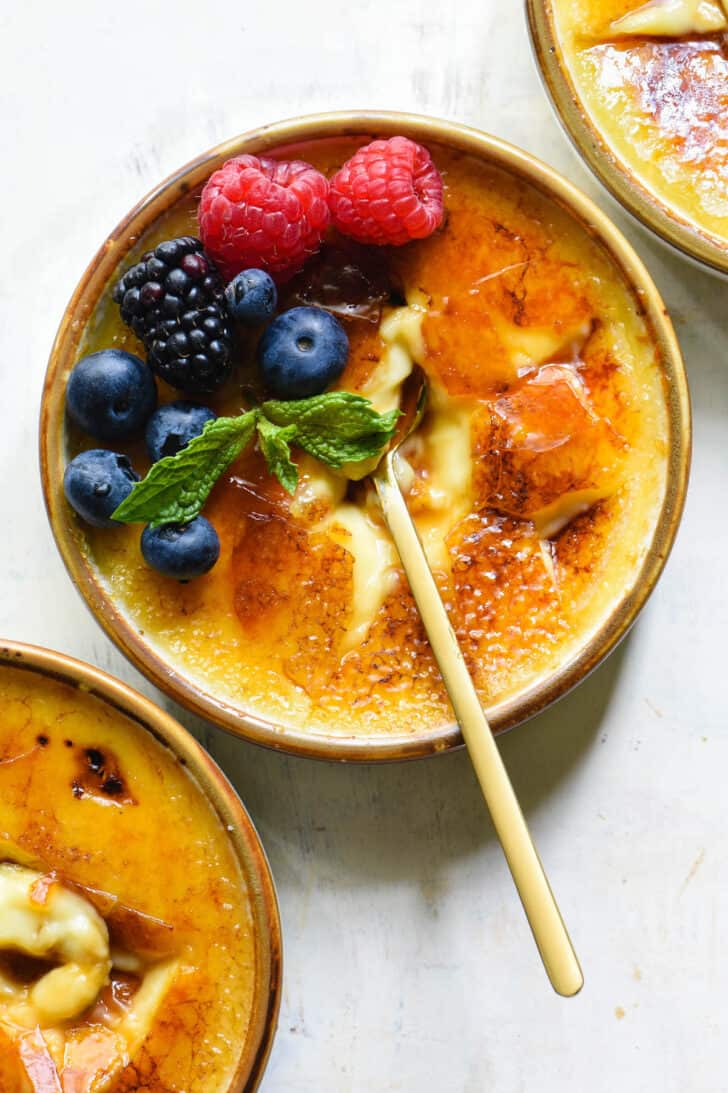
point(110, 394)
point(302, 352)
point(95, 484)
point(182, 551)
point(252, 297)
point(172, 427)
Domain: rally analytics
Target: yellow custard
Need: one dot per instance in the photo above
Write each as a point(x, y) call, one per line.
point(654, 79)
point(536, 479)
point(127, 957)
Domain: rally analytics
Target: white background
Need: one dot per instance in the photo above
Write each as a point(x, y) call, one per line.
point(408, 964)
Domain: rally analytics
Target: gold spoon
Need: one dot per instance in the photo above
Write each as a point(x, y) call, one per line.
point(538, 901)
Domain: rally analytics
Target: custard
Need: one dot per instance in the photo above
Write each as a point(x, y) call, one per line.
point(536, 477)
point(127, 953)
point(654, 80)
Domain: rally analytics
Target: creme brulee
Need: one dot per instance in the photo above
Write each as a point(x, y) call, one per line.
point(127, 956)
point(536, 477)
point(654, 79)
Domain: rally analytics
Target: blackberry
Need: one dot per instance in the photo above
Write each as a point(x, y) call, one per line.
point(174, 300)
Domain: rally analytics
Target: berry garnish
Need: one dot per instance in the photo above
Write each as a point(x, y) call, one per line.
point(252, 297)
point(110, 394)
point(173, 299)
point(172, 427)
point(182, 551)
point(96, 482)
point(389, 192)
point(301, 352)
point(263, 213)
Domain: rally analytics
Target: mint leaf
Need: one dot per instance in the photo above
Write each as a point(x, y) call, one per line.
point(337, 427)
point(176, 488)
point(274, 446)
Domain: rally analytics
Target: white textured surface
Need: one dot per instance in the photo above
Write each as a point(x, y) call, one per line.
point(408, 965)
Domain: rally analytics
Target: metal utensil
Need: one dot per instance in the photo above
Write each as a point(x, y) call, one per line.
point(538, 901)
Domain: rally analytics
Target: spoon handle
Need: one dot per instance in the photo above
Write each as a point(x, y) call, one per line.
point(538, 901)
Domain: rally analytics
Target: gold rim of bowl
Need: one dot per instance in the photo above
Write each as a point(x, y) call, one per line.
point(232, 815)
point(170, 678)
point(592, 146)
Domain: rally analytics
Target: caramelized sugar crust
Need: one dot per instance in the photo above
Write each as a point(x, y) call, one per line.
point(531, 336)
point(662, 103)
point(291, 584)
point(152, 858)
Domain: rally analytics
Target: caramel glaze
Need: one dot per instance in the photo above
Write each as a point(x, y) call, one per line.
point(681, 87)
point(155, 863)
point(662, 102)
point(265, 629)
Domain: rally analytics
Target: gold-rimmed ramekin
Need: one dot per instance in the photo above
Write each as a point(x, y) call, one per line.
point(591, 144)
point(234, 819)
point(170, 676)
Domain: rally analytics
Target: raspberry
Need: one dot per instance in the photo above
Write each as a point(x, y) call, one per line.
point(263, 213)
point(389, 192)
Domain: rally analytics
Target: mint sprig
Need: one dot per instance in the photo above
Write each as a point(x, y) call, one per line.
point(337, 428)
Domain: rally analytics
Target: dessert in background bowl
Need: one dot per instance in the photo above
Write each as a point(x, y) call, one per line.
point(139, 930)
point(642, 89)
point(547, 476)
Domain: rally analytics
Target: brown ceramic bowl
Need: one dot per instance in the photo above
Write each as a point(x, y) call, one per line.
point(53, 438)
point(243, 838)
point(605, 161)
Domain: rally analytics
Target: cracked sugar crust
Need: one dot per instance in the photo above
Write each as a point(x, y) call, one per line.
point(660, 103)
point(158, 849)
point(530, 329)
